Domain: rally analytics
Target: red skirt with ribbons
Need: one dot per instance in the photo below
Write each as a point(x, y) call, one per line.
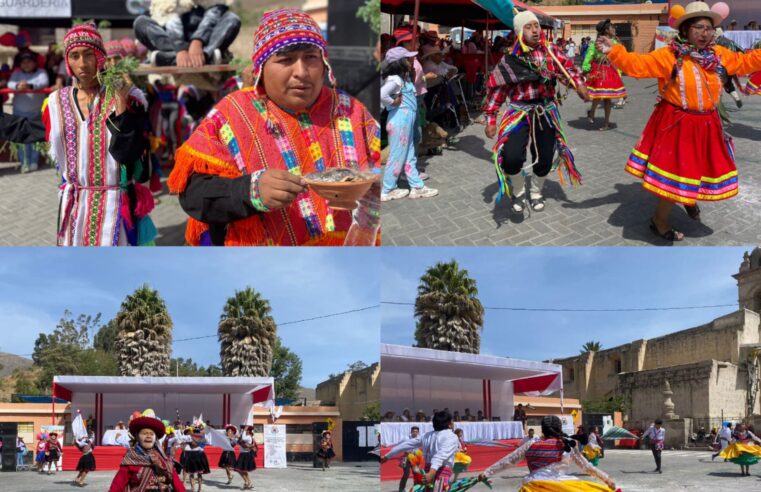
point(604, 82)
point(684, 156)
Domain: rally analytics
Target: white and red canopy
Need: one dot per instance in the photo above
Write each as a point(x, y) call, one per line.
point(108, 399)
point(424, 379)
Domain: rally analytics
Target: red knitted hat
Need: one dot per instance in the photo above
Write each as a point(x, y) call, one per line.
point(87, 36)
point(115, 48)
point(129, 46)
point(286, 27)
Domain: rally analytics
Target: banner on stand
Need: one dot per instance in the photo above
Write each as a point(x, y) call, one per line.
point(274, 446)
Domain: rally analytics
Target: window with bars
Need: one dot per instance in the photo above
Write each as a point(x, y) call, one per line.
point(25, 428)
point(579, 31)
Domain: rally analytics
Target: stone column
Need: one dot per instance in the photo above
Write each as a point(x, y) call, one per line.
point(668, 405)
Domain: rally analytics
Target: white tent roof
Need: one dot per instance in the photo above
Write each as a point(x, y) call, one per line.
point(186, 385)
point(425, 378)
point(420, 361)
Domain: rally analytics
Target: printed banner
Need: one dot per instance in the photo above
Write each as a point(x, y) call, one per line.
point(274, 446)
point(35, 8)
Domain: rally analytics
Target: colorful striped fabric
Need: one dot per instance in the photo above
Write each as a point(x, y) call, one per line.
point(753, 87)
point(679, 189)
point(515, 118)
point(544, 452)
point(685, 157)
point(607, 93)
point(246, 133)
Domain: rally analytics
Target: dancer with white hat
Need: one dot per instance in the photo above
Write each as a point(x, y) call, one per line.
point(684, 155)
point(528, 75)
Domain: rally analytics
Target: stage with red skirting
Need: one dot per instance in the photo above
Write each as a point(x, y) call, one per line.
point(482, 456)
point(109, 457)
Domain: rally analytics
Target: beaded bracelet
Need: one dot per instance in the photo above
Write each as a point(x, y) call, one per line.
point(256, 197)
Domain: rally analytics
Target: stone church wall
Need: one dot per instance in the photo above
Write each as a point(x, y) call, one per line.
point(691, 384)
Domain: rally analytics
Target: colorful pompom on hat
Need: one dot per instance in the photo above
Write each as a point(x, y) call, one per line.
point(286, 27)
point(84, 36)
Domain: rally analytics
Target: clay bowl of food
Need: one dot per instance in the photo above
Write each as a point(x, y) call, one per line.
point(341, 187)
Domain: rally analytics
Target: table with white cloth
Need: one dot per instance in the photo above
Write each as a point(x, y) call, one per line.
point(115, 437)
point(744, 39)
point(395, 432)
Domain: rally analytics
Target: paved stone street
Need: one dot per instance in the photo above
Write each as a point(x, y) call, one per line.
point(611, 208)
point(29, 208)
point(632, 470)
point(298, 477)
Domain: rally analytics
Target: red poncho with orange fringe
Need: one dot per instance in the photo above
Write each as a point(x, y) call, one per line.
point(246, 132)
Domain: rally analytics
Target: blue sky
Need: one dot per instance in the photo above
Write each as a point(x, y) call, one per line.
point(37, 284)
point(569, 278)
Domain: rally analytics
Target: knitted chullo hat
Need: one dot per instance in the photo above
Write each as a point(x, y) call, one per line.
point(84, 36)
point(115, 48)
point(521, 19)
point(130, 48)
point(286, 27)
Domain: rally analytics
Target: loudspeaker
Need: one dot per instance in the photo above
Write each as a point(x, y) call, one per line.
point(8, 432)
point(8, 428)
point(9, 460)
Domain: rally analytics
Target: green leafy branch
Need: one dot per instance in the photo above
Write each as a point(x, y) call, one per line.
point(370, 13)
point(112, 77)
point(240, 64)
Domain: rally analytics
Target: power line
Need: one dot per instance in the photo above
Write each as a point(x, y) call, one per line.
point(582, 310)
point(331, 315)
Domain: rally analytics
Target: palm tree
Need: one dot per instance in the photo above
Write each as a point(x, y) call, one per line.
point(449, 314)
point(247, 335)
point(144, 341)
point(591, 346)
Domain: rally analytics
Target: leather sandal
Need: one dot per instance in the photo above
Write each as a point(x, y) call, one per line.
point(672, 235)
point(693, 211)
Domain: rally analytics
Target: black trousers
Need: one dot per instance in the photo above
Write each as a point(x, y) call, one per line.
point(657, 456)
point(156, 38)
point(515, 149)
point(405, 476)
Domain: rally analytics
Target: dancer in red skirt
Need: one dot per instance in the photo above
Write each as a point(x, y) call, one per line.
point(603, 80)
point(683, 155)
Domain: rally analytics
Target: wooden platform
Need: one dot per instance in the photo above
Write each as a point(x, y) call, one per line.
point(482, 456)
point(108, 457)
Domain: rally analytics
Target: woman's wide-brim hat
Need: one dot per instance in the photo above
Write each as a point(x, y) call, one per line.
point(152, 423)
point(698, 9)
point(231, 426)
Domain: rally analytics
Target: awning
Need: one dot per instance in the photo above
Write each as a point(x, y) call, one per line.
point(454, 13)
point(261, 388)
point(416, 378)
point(414, 360)
point(108, 399)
